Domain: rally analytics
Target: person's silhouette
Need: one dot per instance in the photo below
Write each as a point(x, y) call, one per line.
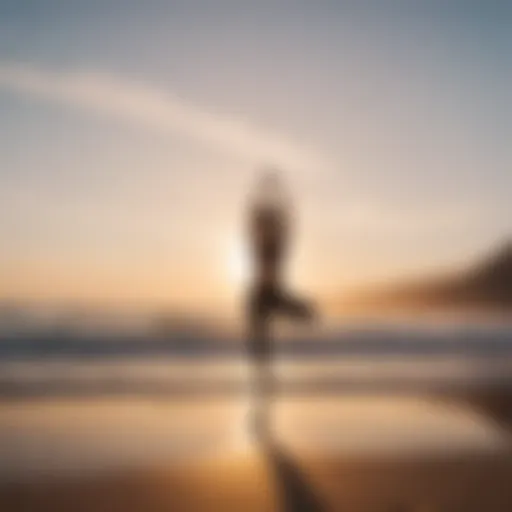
point(269, 238)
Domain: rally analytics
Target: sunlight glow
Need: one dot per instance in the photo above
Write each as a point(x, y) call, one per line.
point(238, 264)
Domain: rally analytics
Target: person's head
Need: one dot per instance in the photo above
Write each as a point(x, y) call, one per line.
point(270, 188)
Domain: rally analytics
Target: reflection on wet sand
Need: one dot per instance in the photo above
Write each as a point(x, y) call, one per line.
point(346, 453)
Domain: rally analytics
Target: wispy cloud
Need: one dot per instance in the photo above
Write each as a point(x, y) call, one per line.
point(158, 109)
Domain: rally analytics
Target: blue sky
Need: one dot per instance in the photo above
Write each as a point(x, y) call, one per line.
point(130, 133)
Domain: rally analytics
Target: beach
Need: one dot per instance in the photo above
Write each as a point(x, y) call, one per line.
point(358, 452)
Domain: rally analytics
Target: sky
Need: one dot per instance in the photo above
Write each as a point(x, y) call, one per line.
point(132, 132)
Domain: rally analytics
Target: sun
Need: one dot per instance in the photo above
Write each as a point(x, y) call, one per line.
point(238, 264)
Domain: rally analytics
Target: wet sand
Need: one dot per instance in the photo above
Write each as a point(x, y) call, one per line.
point(276, 481)
point(276, 478)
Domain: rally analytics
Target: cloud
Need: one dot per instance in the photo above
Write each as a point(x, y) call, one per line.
point(159, 109)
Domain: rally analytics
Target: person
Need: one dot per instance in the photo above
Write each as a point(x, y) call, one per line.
point(269, 233)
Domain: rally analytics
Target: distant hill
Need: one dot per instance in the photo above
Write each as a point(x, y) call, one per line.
point(487, 284)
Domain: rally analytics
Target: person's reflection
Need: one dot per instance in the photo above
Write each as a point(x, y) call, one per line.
point(294, 492)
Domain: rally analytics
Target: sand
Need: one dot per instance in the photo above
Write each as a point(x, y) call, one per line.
point(272, 478)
